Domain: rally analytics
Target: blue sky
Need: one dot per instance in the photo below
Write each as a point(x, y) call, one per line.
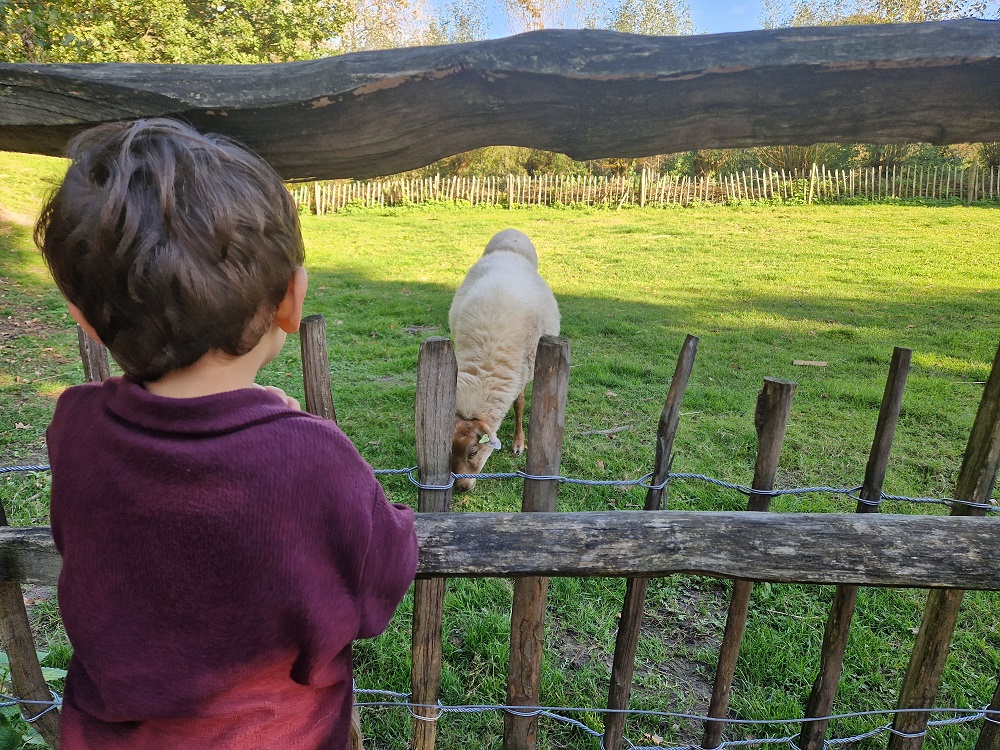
point(711, 16)
point(716, 16)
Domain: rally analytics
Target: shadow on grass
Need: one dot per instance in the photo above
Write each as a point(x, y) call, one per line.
point(623, 355)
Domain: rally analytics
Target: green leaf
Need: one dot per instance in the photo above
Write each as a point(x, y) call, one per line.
point(53, 673)
point(9, 739)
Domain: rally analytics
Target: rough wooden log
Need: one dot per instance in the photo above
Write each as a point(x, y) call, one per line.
point(865, 549)
point(569, 91)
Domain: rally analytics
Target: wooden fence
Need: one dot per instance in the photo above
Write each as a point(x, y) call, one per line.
point(948, 182)
point(946, 555)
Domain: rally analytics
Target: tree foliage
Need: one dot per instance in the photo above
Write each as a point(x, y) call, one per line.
point(388, 24)
point(777, 13)
point(655, 17)
point(169, 31)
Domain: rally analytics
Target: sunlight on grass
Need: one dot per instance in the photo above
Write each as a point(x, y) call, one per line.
point(958, 367)
point(760, 287)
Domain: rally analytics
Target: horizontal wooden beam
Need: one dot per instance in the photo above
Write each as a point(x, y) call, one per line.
point(585, 93)
point(824, 548)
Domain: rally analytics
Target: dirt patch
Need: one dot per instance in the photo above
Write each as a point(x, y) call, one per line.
point(18, 324)
point(685, 626)
point(11, 217)
point(20, 318)
point(689, 625)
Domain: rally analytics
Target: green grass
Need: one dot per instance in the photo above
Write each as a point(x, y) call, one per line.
point(760, 286)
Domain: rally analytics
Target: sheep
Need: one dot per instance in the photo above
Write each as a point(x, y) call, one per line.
point(499, 312)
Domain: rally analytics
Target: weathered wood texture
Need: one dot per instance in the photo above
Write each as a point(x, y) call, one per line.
point(19, 645)
point(865, 549)
point(630, 622)
point(838, 623)
point(94, 356)
point(976, 478)
point(585, 93)
point(437, 373)
point(774, 405)
point(989, 736)
point(316, 367)
point(527, 620)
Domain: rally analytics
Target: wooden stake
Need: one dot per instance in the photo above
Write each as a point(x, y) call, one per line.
point(527, 622)
point(774, 404)
point(975, 483)
point(989, 735)
point(96, 367)
point(316, 367)
point(838, 624)
point(25, 671)
point(630, 623)
point(437, 374)
point(973, 180)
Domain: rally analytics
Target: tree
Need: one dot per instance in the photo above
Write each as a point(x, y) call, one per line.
point(989, 154)
point(169, 31)
point(655, 17)
point(799, 158)
point(388, 24)
point(777, 13)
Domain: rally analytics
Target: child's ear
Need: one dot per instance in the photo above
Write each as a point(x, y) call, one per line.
point(289, 312)
point(81, 321)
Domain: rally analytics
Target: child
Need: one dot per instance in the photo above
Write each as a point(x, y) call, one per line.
point(221, 549)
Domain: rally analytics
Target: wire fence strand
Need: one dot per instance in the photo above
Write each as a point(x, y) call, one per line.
point(556, 713)
point(852, 491)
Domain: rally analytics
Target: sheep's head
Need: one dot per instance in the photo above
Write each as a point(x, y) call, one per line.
point(471, 445)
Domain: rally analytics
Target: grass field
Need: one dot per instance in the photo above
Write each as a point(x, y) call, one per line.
point(760, 286)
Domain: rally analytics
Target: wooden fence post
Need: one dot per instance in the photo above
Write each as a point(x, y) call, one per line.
point(838, 624)
point(437, 374)
point(527, 621)
point(25, 671)
point(94, 356)
point(774, 404)
point(635, 588)
point(973, 186)
point(930, 651)
point(316, 367)
point(989, 735)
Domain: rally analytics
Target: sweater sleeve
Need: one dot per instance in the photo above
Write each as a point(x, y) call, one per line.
point(390, 564)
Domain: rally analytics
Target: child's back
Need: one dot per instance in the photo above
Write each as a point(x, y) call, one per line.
point(221, 549)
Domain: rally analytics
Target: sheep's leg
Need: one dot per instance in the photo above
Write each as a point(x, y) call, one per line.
point(518, 445)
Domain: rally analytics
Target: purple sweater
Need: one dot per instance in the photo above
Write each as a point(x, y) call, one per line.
point(219, 556)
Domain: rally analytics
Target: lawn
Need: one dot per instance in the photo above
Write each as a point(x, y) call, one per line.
point(761, 286)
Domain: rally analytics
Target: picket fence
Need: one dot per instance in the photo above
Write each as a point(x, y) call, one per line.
point(646, 188)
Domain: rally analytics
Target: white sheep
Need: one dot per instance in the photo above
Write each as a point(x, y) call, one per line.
point(500, 310)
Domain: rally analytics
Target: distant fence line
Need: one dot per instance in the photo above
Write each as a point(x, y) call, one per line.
point(647, 188)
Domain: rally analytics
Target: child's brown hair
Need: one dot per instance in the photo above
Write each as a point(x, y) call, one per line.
point(170, 242)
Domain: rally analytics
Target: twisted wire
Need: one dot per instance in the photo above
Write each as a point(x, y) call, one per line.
point(964, 715)
point(412, 473)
